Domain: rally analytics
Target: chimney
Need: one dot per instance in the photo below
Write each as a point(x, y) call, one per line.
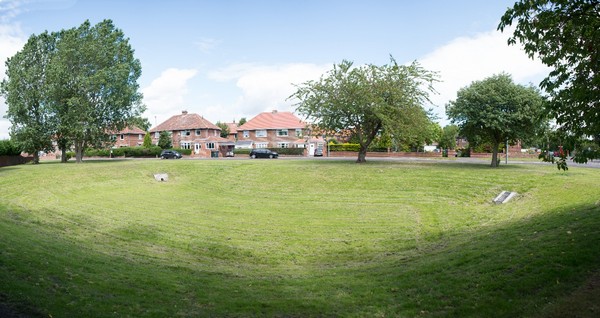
point(184, 112)
point(274, 111)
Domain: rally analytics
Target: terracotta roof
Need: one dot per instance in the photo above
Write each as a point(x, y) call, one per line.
point(232, 127)
point(273, 120)
point(185, 121)
point(133, 130)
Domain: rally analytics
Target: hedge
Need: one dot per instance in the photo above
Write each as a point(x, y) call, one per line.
point(344, 147)
point(9, 148)
point(281, 151)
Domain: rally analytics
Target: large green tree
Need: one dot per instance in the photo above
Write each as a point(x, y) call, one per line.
point(448, 137)
point(25, 90)
point(94, 85)
point(496, 110)
point(565, 35)
point(367, 99)
point(224, 129)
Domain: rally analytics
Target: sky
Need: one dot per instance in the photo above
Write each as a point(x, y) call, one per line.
point(228, 59)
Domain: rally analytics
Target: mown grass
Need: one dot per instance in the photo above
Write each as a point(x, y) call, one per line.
point(296, 238)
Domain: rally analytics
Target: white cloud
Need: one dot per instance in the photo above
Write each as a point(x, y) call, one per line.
point(265, 87)
point(206, 45)
point(166, 94)
point(468, 59)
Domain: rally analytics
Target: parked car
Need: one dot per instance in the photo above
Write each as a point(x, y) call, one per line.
point(229, 154)
point(263, 153)
point(318, 152)
point(170, 154)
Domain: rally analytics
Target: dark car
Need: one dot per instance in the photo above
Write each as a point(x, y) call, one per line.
point(170, 154)
point(263, 153)
point(319, 152)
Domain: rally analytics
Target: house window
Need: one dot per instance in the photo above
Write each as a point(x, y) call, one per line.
point(122, 137)
point(283, 144)
point(246, 134)
point(282, 132)
point(140, 136)
point(261, 133)
point(298, 132)
point(186, 133)
point(198, 132)
point(156, 135)
point(210, 145)
point(216, 132)
point(186, 145)
point(261, 145)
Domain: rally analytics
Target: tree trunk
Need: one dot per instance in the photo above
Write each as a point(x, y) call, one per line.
point(362, 154)
point(78, 151)
point(36, 157)
point(63, 154)
point(495, 155)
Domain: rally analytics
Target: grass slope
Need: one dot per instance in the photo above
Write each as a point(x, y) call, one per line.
point(297, 238)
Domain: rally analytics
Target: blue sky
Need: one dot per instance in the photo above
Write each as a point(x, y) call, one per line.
point(231, 59)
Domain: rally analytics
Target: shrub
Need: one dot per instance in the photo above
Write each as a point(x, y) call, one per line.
point(344, 147)
point(9, 148)
point(241, 151)
point(289, 151)
point(186, 152)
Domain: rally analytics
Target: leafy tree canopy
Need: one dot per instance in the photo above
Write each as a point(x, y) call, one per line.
point(448, 137)
point(565, 35)
point(496, 110)
point(25, 90)
point(164, 140)
point(224, 129)
point(367, 99)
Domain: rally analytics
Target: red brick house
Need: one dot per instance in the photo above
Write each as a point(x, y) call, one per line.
point(273, 130)
point(129, 137)
point(192, 131)
point(232, 131)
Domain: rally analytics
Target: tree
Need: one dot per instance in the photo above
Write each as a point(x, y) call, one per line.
point(496, 110)
point(141, 122)
point(448, 137)
point(224, 129)
point(164, 140)
point(147, 141)
point(565, 36)
point(242, 121)
point(366, 100)
point(94, 84)
point(25, 90)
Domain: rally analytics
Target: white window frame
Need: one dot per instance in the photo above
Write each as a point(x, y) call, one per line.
point(140, 137)
point(246, 134)
point(156, 134)
point(282, 132)
point(298, 132)
point(122, 137)
point(211, 145)
point(261, 133)
point(260, 145)
point(198, 132)
point(186, 145)
point(186, 132)
point(283, 145)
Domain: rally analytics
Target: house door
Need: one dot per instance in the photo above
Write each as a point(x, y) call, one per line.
point(311, 149)
point(197, 148)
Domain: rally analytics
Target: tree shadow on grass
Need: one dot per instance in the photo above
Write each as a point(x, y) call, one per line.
point(515, 269)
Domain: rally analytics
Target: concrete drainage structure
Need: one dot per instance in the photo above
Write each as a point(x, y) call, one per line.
point(163, 177)
point(504, 197)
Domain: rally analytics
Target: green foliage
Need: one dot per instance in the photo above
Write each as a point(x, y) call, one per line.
point(93, 61)
point(344, 147)
point(241, 151)
point(182, 151)
point(587, 151)
point(137, 152)
point(563, 35)
point(448, 137)
point(289, 151)
point(495, 110)
point(224, 129)
point(9, 148)
point(164, 140)
point(368, 99)
point(147, 140)
point(242, 121)
point(25, 89)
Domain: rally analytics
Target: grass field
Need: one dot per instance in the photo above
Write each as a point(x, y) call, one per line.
point(298, 238)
